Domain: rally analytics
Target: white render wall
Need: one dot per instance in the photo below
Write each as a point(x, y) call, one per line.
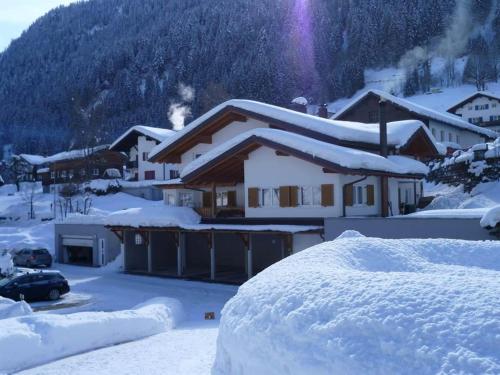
point(162, 171)
point(466, 138)
point(226, 133)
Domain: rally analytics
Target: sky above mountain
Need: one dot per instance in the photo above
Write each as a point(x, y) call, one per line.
point(17, 15)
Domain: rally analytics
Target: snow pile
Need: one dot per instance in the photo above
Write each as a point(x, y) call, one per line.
point(31, 340)
point(154, 216)
point(491, 218)
point(11, 309)
point(339, 155)
point(368, 306)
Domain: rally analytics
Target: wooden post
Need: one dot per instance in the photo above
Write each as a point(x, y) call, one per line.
point(214, 200)
point(249, 257)
point(212, 256)
point(150, 253)
point(179, 254)
point(122, 251)
point(384, 195)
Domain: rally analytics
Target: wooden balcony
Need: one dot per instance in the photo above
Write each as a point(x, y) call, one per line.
point(220, 212)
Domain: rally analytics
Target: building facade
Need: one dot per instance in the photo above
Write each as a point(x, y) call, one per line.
point(480, 108)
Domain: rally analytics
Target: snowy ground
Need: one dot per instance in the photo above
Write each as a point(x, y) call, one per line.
point(187, 349)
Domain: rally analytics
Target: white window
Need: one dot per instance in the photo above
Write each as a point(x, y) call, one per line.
point(450, 137)
point(170, 200)
point(95, 171)
point(276, 197)
point(222, 199)
point(316, 193)
point(138, 239)
point(186, 199)
point(441, 135)
point(145, 156)
point(305, 196)
point(266, 199)
point(52, 174)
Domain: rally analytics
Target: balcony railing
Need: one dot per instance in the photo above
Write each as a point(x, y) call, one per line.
point(206, 212)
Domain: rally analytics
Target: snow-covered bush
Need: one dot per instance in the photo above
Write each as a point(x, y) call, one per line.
point(361, 305)
point(6, 264)
point(103, 187)
point(11, 309)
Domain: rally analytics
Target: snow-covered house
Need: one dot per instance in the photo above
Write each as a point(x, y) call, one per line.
point(449, 129)
point(262, 180)
point(74, 166)
point(481, 108)
point(137, 142)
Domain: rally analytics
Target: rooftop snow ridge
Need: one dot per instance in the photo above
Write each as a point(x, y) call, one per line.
point(343, 156)
point(399, 132)
point(65, 155)
point(158, 134)
point(445, 117)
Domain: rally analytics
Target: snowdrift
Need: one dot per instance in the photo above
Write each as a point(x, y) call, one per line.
point(11, 309)
point(491, 218)
point(35, 339)
point(361, 305)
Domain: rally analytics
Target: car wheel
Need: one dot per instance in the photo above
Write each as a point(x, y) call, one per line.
point(54, 294)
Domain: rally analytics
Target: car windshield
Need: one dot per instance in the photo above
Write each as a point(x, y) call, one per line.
point(5, 281)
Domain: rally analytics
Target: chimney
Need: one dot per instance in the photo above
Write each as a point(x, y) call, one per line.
point(299, 104)
point(323, 111)
point(382, 127)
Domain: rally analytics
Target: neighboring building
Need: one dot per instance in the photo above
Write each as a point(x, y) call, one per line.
point(7, 152)
point(481, 108)
point(137, 142)
point(263, 179)
point(85, 244)
point(74, 166)
point(448, 129)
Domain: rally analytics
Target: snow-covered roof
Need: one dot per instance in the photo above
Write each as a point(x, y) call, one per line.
point(65, 155)
point(471, 97)
point(44, 170)
point(447, 118)
point(343, 156)
point(398, 132)
point(158, 134)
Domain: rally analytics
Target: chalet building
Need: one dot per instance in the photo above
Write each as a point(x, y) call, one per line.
point(137, 142)
point(480, 108)
point(448, 129)
point(262, 179)
point(75, 166)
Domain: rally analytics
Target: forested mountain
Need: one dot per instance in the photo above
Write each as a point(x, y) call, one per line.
point(94, 68)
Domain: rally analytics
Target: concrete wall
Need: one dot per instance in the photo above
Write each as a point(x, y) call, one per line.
point(466, 229)
point(97, 232)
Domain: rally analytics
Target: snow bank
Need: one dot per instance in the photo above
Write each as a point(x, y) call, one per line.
point(31, 340)
point(6, 264)
point(491, 218)
point(11, 309)
point(368, 306)
point(155, 216)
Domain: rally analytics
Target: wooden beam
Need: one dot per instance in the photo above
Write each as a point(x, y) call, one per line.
point(207, 139)
point(281, 153)
point(326, 170)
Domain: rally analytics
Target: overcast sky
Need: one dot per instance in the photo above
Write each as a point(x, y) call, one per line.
point(18, 15)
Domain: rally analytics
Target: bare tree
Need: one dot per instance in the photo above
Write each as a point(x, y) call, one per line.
point(29, 196)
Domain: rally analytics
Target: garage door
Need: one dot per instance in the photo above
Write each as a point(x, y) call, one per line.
point(84, 241)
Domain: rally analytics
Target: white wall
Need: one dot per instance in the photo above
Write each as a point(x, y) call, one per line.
point(162, 171)
point(226, 133)
point(466, 138)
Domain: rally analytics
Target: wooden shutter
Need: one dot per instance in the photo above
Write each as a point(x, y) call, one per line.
point(253, 197)
point(284, 196)
point(327, 198)
point(370, 195)
point(207, 199)
point(348, 195)
point(294, 196)
point(231, 198)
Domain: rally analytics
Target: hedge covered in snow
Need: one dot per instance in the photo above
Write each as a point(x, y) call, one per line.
point(368, 306)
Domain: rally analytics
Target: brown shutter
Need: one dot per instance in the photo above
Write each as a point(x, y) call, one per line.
point(284, 196)
point(231, 198)
point(253, 197)
point(327, 198)
point(207, 199)
point(348, 195)
point(370, 195)
point(294, 190)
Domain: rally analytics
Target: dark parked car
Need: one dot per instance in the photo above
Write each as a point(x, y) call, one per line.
point(34, 286)
point(33, 258)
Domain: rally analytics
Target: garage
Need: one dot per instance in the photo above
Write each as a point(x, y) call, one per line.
point(230, 258)
point(78, 250)
point(164, 253)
